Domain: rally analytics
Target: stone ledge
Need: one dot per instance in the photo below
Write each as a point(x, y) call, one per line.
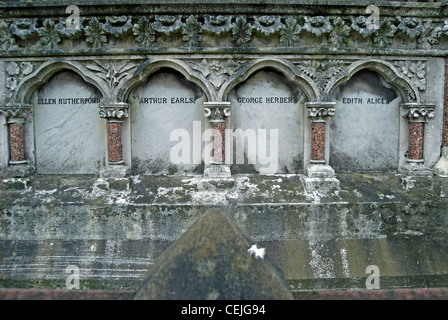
point(397, 222)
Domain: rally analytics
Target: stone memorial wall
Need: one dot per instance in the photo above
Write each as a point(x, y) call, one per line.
point(319, 127)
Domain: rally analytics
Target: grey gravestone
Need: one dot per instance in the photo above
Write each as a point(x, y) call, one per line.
point(267, 101)
point(210, 261)
point(365, 130)
point(165, 104)
point(69, 133)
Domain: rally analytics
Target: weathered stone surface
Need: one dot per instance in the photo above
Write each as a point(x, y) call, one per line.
point(211, 261)
point(68, 129)
point(268, 112)
point(441, 167)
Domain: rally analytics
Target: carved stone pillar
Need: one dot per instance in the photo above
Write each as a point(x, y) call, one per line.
point(217, 171)
point(320, 176)
point(217, 113)
point(318, 112)
point(417, 115)
point(16, 116)
point(114, 114)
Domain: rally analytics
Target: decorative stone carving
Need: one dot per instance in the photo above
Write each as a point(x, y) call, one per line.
point(339, 35)
point(418, 113)
point(7, 42)
point(385, 34)
point(113, 73)
point(289, 35)
point(68, 33)
point(320, 112)
point(191, 31)
point(23, 28)
point(48, 34)
point(144, 32)
point(322, 71)
point(217, 112)
point(15, 72)
point(317, 25)
point(359, 25)
point(242, 31)
point(333, 29)
point(217, 71)
point(167, 24)
point(414, 71)
point(95, 34)
point(117, 25)
point(429, 37)
point(217, 24)
point(412, 26)
point(16, 113)
point(117, 112)
point(267, 25)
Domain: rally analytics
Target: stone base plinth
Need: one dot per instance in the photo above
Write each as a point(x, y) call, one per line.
point(17, 171)
point(321, 184)
point(217, 171)
point(320, 177)
point(416, 169)
point(114, 172)
point(210, 184)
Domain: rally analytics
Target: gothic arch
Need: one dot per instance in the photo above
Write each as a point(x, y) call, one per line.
point(286, 68)
point(150, 67)
point(42, 74)
point(384, 69)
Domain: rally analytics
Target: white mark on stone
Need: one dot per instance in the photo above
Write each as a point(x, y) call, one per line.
point(345, 268)
point(257, 252)
point(322, 266)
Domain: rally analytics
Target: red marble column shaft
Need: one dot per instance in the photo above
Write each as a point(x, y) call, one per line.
point(219, 142)
point(114, 146)
point(318, 141)
point(416, 130)
point(17, 141)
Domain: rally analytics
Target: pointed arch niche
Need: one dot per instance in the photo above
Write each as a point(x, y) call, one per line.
point(68, 133)
point(265, 105)
point(368, 133)
point(166, 112)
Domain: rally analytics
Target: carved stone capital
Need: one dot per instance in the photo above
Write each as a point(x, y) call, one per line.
point(114, 112)
point(417, 112)
point(16, 113)
point(217, 111)
point(320, 110)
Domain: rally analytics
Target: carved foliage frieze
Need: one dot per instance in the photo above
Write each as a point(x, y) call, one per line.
point(296, 31)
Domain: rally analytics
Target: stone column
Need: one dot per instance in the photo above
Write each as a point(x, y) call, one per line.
point(320, 176)
point(417, 115)
point(15, 118)
point(218, 168)
point(217, 113)
point(114, 114)
point(319, 112)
